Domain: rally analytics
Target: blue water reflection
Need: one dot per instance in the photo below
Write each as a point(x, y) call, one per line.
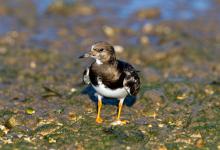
point(175, 9)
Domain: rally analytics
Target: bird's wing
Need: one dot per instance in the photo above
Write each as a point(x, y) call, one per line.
point(131, 83)
point(131, 80)
point(86, 78)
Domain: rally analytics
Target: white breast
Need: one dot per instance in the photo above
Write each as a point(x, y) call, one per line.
point(107, 92)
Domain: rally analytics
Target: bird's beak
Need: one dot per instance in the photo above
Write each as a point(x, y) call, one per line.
point(85, 55)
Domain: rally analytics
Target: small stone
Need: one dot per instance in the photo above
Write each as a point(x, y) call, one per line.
point(3, 10)
point(199, 143)
point(196, 135)
point(162, 147)
point(51, 140)
point(150, 126)
point(33, 65)
point(3, 50)
point(72, 90)
point(63, 32)
point(144, 40)
point(119, 122)
point(60, 7)
point(161, 125)
point(13, 34)
point(85, 10)
point(109, 31)
point(20, 135)
point(209, 91)
point(161, 29)
point(59, 124)
point(149, 13)
point(148, 28)
point(182, 96)
point(12, 122)
point(128, 147)
point(179, 123)
point(46, 131)
point(171, 123)
point(142, 129)
point(4, 129)
point(118, 48)
point(30, 111)
point(74, 117)
point(28, 139)
point(154, 115)
point(7, 141)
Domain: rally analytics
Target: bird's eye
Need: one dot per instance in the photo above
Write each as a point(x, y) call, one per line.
point(101, 49)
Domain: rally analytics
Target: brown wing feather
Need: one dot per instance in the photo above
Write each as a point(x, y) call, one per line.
point(132, 82)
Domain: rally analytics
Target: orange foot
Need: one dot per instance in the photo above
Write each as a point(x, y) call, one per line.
point(119, 122)
point(99, 120)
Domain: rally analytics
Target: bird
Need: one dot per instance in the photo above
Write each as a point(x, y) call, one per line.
point(110, 77)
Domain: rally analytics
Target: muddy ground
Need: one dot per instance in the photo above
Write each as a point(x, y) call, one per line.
point(44, 105)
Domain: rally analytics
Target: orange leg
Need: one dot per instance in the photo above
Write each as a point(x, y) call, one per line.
point(118, 121)
point(98, 118)
point(119, 110)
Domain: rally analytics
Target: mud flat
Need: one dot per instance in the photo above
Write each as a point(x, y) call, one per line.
point(42, 103)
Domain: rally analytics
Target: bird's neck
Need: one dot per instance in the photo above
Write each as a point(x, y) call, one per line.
point(111, 61)
point(98, 62)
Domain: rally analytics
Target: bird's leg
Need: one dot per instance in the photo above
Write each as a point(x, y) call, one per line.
point(98, 118)
point(120, 104)
point(118, 121)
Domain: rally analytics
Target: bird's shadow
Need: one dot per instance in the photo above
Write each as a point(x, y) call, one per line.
point(90, 91)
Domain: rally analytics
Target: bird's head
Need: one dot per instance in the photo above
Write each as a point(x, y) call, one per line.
point(103, 52)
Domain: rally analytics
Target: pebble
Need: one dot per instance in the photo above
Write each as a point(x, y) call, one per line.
point(209, 91)
point(28, 139)
point(3, 50)
point(72, 90)
point(109, 31)
point(12, 122)
point(199, 143)
point(149, 13)
point(162, 147)
point(33, 65)
point(4, 129)
point(128, 148)
point(51, 140)
point(144, 40)
point(85, 10)
point(30, 111)
point(161, 125)
point(150, 126)
point(148, 28)
point(118, 48)
point(182, 96)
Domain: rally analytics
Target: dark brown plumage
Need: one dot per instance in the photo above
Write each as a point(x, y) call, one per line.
point(116, 75)
point(110, 77)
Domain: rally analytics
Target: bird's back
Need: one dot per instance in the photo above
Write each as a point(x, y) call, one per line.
point(115, 76)
point(131, 79)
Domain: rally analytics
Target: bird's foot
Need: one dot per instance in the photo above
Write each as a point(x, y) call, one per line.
point(99, 120)
point(119, 122)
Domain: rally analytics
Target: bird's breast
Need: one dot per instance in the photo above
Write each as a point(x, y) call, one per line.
point(111, 93)
point(109, 76)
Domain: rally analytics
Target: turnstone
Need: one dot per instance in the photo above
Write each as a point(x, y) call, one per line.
point(110, 77)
